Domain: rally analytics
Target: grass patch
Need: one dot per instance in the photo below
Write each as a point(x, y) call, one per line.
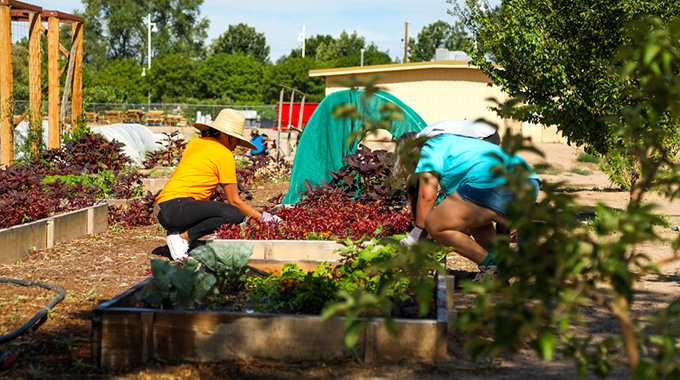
point(587, 157)
point(545, 168)
point(580, 171)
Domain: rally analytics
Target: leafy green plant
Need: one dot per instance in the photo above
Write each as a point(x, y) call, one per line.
point(228, 262)
point(78, 128)
point(562, 266)
point(183, 287)
point(580, 171)
point(587, 157)
point(294, 291)
point(91, 295)
point(69, 341)
point(108, 183)
point(545, 168)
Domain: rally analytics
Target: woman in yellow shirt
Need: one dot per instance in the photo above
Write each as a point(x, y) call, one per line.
point(185, 209)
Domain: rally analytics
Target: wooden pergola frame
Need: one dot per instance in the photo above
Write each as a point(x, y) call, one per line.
point(12, 10)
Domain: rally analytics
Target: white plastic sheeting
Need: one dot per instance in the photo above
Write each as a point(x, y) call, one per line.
point(20, 133)
point(137, 138)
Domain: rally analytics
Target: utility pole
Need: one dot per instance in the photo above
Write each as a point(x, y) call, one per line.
point(301, 38)
point(406, 44)
point(151, 27)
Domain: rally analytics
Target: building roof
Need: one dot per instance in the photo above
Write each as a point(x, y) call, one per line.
point(391, 67)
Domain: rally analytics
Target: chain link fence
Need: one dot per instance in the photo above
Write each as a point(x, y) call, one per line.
point(264, 116)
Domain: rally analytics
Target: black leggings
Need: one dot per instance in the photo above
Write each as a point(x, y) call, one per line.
point(198, 218)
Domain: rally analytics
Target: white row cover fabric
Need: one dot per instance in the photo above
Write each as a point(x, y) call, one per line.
point(137, 138)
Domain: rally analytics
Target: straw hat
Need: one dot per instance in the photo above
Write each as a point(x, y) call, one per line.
point(230, 122)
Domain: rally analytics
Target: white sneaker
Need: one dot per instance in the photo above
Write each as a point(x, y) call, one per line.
point(178, 246)
point(486, 271)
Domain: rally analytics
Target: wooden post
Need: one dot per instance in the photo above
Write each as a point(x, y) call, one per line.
point(406, 44)
point(34, 74)
point(54, 135)
point(6, 103)
point(77, 91)
point(67, 84)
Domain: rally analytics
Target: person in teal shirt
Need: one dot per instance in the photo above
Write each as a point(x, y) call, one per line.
point(475, 196)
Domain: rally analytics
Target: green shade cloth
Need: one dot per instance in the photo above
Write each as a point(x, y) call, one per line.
point(324, 141)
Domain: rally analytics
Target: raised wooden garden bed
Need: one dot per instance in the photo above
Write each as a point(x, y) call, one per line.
point(126, 333)
point(271, 255)
point(154, 184)
point(18, 241)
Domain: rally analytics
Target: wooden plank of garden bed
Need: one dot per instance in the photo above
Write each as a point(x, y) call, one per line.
point(117, 338)
point(291, 250)
point(205, 336)
point(275, 266)
point(123, 336)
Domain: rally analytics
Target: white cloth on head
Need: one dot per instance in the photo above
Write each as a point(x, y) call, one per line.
point(463, 127)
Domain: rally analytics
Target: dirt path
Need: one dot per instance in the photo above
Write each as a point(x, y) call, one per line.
point(97, 268)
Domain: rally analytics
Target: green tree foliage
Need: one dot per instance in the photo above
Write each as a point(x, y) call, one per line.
point(242, 39)
point(312, 45)
point(345, 51)
point(343, 46)
point(120, 27)
point(180, 28)
point(372, 56)
point(555, 56)
point(20, 71)
point(438, 34)
point(95, 46)
point(124, 74)
point(235, 76)
point(600, 267)
point(172, 77)
point(294, 73)
point(561, 267)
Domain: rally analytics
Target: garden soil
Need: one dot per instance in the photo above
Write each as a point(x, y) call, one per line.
point(97, 268)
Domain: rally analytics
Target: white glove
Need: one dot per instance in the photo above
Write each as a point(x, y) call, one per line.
point(412, 238)
point(269, 218)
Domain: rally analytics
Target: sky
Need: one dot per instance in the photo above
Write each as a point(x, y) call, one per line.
point(380, 21)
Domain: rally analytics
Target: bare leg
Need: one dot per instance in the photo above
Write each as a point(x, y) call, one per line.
point(483, 235)
point(452, 216)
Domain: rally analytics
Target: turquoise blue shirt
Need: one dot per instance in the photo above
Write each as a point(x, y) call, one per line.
point(464, 160)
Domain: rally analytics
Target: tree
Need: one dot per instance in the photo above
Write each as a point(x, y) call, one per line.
point(124, 74)
point(294, 73)
point(556, 58)
point(172, 77)
point(234, 76)
point(345, 45)
point(242, 39)
point(20, 72)
point(371, 57)
point(342, 52)
point(120, 26)
point(438, 34)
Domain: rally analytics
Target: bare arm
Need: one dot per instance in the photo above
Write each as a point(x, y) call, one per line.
point(231, 191)
point(427, 196)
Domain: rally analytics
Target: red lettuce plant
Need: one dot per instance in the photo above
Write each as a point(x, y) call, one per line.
point(325, 215)
point(367, 176)
point(137, 213)
point(169, 155)
point(24, 197)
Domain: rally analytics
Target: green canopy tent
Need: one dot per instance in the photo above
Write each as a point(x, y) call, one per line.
point(324, 141)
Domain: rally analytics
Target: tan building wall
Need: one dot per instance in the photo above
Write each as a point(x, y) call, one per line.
point(441, 90)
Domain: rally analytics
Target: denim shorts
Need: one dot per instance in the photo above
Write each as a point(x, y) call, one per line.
point(496, 198)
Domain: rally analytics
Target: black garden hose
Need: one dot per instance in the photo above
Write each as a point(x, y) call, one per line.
point(40, 317)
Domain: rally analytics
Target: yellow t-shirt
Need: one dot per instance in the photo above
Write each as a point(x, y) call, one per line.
point(204, 164)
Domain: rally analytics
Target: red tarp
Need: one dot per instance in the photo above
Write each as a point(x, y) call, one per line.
point(285, 113)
